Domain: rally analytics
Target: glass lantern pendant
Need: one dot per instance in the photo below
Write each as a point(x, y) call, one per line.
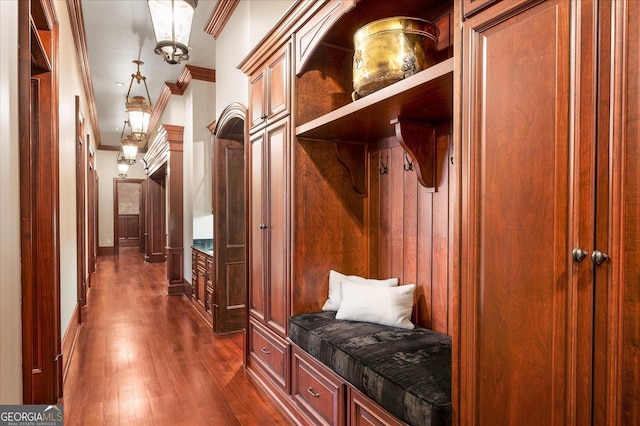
point(129, 148)
point(138, 107)
point(123, 165)
point(172, 21)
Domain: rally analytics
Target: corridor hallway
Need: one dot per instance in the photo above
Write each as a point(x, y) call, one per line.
point(145, 358)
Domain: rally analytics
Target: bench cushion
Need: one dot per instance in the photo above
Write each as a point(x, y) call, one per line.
point(407, 372)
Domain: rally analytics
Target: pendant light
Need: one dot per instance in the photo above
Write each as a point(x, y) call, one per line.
point(130, 144)
point(172, 21)
point(123, 165)
point(138, 107)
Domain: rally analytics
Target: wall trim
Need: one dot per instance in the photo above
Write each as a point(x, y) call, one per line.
point(80, 40)
point(69, 341)
point(106, 251)
point(220, 16)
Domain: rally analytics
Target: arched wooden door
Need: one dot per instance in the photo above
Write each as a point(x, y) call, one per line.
point(229, 220)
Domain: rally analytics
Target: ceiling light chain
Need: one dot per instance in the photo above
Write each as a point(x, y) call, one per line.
point(138, 77)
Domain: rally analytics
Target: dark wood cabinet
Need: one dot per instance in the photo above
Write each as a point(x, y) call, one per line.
point(269, 95)
point(363, 412)
point(202, 294)
point(269, 218)
point(268, 168)
point(318, 392)
point(270, 354)
point(541, 193)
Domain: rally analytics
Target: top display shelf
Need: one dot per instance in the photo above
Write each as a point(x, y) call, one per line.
point(424, 97)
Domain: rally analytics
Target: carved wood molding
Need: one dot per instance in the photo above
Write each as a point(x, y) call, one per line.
point(234, 111)
point(157, 153)
point(220, 16)
point(77, 29)
point(201, 73)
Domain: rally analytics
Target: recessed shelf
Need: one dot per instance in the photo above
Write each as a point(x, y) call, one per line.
point(426, 97)
point(39, 60)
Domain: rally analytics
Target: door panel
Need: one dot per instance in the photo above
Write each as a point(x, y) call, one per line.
point(256, 231)
point(515, 296)
point(628, 159)
point(277, 225)
point(230, 233)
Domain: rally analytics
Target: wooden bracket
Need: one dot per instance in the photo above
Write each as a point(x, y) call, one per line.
point(353, 158)
point(419, 140)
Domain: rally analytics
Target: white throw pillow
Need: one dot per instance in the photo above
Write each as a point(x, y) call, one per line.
point(381, 305)
point(335, 287)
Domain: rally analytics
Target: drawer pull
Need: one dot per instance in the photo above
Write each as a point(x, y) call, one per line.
point(265, 351)
point(312, 393)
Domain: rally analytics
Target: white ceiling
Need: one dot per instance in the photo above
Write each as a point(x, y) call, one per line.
point(119, 31)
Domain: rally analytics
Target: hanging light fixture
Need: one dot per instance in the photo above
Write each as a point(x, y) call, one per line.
point(138, 107)
point(129, 148)
point(123, 165)
point(130, 145)
point(172, 21)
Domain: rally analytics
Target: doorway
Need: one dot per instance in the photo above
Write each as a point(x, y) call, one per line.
point(128, 217)
point(229, 220)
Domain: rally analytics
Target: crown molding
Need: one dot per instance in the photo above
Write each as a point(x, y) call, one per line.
point(220, 16)
point(79, 37)
point(189, 72)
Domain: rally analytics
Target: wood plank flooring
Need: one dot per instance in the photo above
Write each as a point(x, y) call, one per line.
point(145, 358)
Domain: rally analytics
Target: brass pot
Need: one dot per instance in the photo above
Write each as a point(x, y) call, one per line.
point(391, 49)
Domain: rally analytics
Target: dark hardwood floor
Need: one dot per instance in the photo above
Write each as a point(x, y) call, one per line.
point(146, 358)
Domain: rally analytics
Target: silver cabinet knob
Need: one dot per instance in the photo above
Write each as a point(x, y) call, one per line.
point(598, 257)
point(578, 254)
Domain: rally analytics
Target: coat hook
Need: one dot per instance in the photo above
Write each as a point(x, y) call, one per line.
point(408, 164)
point(383, 167)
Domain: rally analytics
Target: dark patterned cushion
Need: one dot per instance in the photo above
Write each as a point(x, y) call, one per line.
point(408, 372)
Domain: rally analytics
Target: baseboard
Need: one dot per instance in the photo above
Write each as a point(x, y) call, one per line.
point(69, 341)
point(106, 251)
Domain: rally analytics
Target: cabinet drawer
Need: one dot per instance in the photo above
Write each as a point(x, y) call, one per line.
point(270, 353)
point(364, 412)
point(318, 392)
point(202, 262)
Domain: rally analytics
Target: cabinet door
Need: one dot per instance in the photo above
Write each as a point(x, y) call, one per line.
point(257, 90)
point(517, 318)
point(625, 239)
point(257, 223)
point(277, 139)
point(279, 72)
point(269, 94)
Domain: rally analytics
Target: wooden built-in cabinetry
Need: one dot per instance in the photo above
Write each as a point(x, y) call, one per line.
point(316, 198)
point(501, 181)
point(546, 225)
point(202, 283)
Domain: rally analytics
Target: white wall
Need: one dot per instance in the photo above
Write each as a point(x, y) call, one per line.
point(198, 104)
point(70, 84)
point(248, 25)
point(10, 286)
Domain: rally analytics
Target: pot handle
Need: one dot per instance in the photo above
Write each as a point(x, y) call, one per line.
point(357, 60)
